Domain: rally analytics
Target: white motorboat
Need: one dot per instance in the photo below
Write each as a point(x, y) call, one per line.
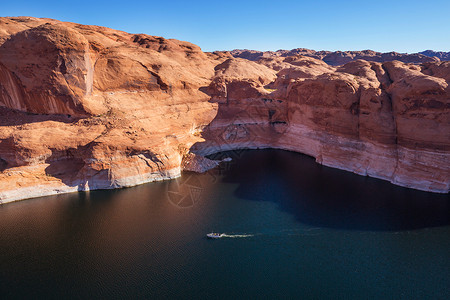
point(214, 235)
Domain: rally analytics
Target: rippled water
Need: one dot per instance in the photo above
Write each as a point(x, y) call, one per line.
point(294, 229)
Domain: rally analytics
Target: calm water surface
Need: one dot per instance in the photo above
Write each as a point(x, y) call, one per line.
point(295, 229)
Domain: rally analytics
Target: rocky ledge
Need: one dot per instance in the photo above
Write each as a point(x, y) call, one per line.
point(87, 107)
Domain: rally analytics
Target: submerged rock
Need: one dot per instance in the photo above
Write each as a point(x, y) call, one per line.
point(197, 163)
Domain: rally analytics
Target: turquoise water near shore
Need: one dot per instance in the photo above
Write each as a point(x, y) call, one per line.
point(294, 229)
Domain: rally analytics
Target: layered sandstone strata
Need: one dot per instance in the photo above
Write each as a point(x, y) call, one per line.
point(389, 121)
point(88, 107)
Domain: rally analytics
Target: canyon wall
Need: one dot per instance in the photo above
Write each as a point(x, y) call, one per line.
point(87, 107)
point(389, 121)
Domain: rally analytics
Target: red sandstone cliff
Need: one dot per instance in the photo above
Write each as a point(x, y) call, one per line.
point(389, 121)
point(88, 107)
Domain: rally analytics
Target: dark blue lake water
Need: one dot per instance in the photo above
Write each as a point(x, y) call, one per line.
point(294, 229)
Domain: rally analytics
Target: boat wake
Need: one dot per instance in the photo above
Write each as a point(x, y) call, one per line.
point(289, 232)
point(233, 236)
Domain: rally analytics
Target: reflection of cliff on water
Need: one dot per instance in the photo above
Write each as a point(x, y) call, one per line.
point(322, 196)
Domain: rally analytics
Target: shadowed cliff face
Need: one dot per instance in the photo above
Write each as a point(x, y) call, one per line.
point(54, 83)
point(89, 107)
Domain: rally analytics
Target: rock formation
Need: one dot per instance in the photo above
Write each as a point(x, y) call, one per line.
point(87, 107)
point(443, 56)
point(389, 120)
point(337, 58)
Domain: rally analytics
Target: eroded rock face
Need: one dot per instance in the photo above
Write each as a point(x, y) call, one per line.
point(389, 120)
point(88, 107)
point(53, 83)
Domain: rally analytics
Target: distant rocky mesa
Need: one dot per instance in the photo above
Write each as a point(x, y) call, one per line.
point(337, 58)
point(88, 107)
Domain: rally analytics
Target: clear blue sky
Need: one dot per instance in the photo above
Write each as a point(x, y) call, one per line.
point(402, 26)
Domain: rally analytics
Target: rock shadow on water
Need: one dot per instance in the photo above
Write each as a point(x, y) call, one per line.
point(327, 197)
